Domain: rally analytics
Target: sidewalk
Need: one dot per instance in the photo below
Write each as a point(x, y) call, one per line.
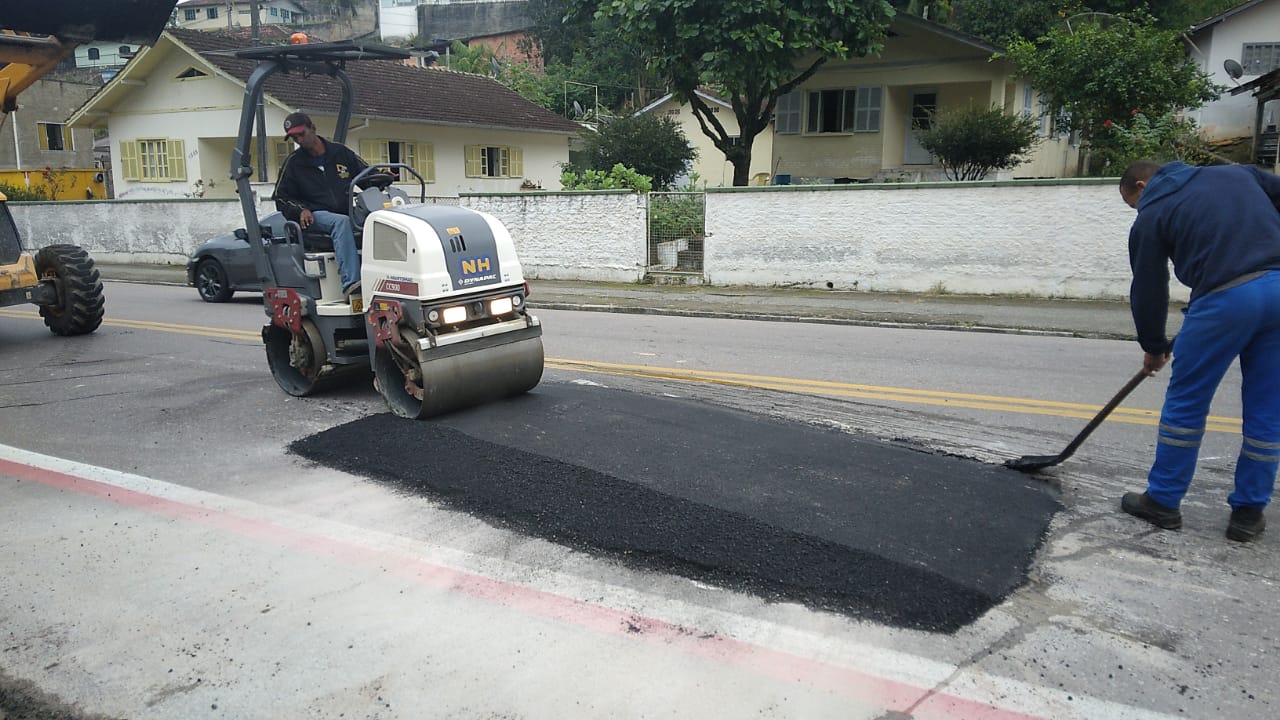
point(1067, 318)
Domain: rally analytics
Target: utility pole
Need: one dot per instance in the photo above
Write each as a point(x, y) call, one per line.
point(254, 9)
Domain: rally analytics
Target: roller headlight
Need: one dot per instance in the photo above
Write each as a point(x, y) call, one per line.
point(501, 306)
point(454, 315)
point(433, 316)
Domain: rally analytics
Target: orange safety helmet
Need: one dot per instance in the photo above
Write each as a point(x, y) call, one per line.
point(299, 38)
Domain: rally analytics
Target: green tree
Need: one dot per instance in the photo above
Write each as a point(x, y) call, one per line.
point(751, 52)
point(1099, 72)
point(477, 59)
point(652, 146)
point(588, 52)
point(970, 141)
point(558, 34)
point(998, 21)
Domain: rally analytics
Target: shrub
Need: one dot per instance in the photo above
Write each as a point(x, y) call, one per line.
point(970, 141)
point(654, 146)
point(681, 216)
point(18, 193)
point(1167, 137)
point(619, 178)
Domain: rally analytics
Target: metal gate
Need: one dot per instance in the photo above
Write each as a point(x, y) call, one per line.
point(677, 225)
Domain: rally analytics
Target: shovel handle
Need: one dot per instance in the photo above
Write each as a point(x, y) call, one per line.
point(1103, 413)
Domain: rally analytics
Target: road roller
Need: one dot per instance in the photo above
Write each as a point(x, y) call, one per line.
point(441, 318)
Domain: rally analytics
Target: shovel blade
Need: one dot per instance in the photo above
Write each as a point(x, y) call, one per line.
point(1032, 463)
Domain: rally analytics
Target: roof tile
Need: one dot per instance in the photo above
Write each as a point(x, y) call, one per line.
point(388, 89)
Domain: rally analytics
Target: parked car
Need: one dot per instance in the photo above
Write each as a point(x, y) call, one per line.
point(224, 265)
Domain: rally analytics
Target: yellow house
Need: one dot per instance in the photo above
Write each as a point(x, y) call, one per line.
point(710, 165)
point(172, 115)
point(855, 120)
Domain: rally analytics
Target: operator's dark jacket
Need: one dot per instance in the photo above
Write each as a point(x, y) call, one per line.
point(1217, 224)
point(314, 183)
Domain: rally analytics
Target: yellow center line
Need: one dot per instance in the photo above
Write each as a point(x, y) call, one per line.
point(826, 388)
point(872, 392)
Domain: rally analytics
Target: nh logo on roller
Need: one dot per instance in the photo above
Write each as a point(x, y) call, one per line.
point(475, 265)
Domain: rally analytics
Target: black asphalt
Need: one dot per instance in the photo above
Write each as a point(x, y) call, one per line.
point(787, 511)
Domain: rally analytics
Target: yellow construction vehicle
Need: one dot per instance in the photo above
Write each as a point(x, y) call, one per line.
point(34, 37)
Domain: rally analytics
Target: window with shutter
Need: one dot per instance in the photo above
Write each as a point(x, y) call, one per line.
point(787, 113)
point(54, 136)
point(517, 162)
point(494, 161)
point(473, 161)
point(427, 160)
point(177, 171)
point(130, 169)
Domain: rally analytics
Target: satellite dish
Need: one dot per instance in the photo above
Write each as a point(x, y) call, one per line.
point(577, 109)
point(1233, 68)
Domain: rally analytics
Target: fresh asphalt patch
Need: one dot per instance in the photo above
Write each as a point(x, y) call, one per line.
point(783, 510)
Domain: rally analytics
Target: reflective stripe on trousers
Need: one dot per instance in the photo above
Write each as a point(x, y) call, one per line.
point(1241, 321)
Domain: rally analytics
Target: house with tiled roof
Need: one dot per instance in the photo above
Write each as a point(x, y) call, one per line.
point(857, 119)
point(1246, 39)
point(172, 114)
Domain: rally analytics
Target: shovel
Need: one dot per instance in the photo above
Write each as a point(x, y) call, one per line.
point(1032, 463)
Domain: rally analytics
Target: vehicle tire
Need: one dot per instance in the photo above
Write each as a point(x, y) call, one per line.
point(211, 281)
point(79, 307)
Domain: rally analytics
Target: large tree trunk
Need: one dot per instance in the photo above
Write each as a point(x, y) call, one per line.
point(741, 168)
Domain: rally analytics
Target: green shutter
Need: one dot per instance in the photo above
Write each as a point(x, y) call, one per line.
point(129, 168)
point(177, 161)
point(473, 161)
point(427, 161)
point(67, 142)
point(42, 133)
point(517, 162)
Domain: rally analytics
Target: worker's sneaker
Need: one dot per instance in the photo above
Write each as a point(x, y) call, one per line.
point(1247, 523)
point(1140, 505)
point(352, 289)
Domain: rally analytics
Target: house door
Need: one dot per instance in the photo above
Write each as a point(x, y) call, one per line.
point(922, 106)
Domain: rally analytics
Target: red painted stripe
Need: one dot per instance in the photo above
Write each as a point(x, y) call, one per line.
point(880, 692)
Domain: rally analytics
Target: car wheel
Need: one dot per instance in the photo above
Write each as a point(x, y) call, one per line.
point(211, 281)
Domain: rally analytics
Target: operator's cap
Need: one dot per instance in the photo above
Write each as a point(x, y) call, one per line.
point(296, 123)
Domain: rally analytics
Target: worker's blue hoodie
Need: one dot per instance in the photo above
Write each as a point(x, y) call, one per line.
point(1215, 223)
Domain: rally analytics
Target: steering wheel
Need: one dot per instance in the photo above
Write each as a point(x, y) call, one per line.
point(379, 180)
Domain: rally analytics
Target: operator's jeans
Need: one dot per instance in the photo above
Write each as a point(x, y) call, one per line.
point(1238, 322)
point(344, 244)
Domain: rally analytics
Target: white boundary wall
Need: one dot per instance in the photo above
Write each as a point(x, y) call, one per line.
point(1065, 238)
point(1056, 238)
point(573, 236)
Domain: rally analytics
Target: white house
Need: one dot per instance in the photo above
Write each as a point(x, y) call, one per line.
point(710, 164)
point(173, 112)
point(1247, 34)
point(224, 14)
point(104, 54)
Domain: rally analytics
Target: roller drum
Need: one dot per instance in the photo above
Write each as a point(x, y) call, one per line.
point(461, 380)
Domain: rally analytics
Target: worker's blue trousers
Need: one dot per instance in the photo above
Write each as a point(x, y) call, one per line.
point(1244, 322)
point(344, 244)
